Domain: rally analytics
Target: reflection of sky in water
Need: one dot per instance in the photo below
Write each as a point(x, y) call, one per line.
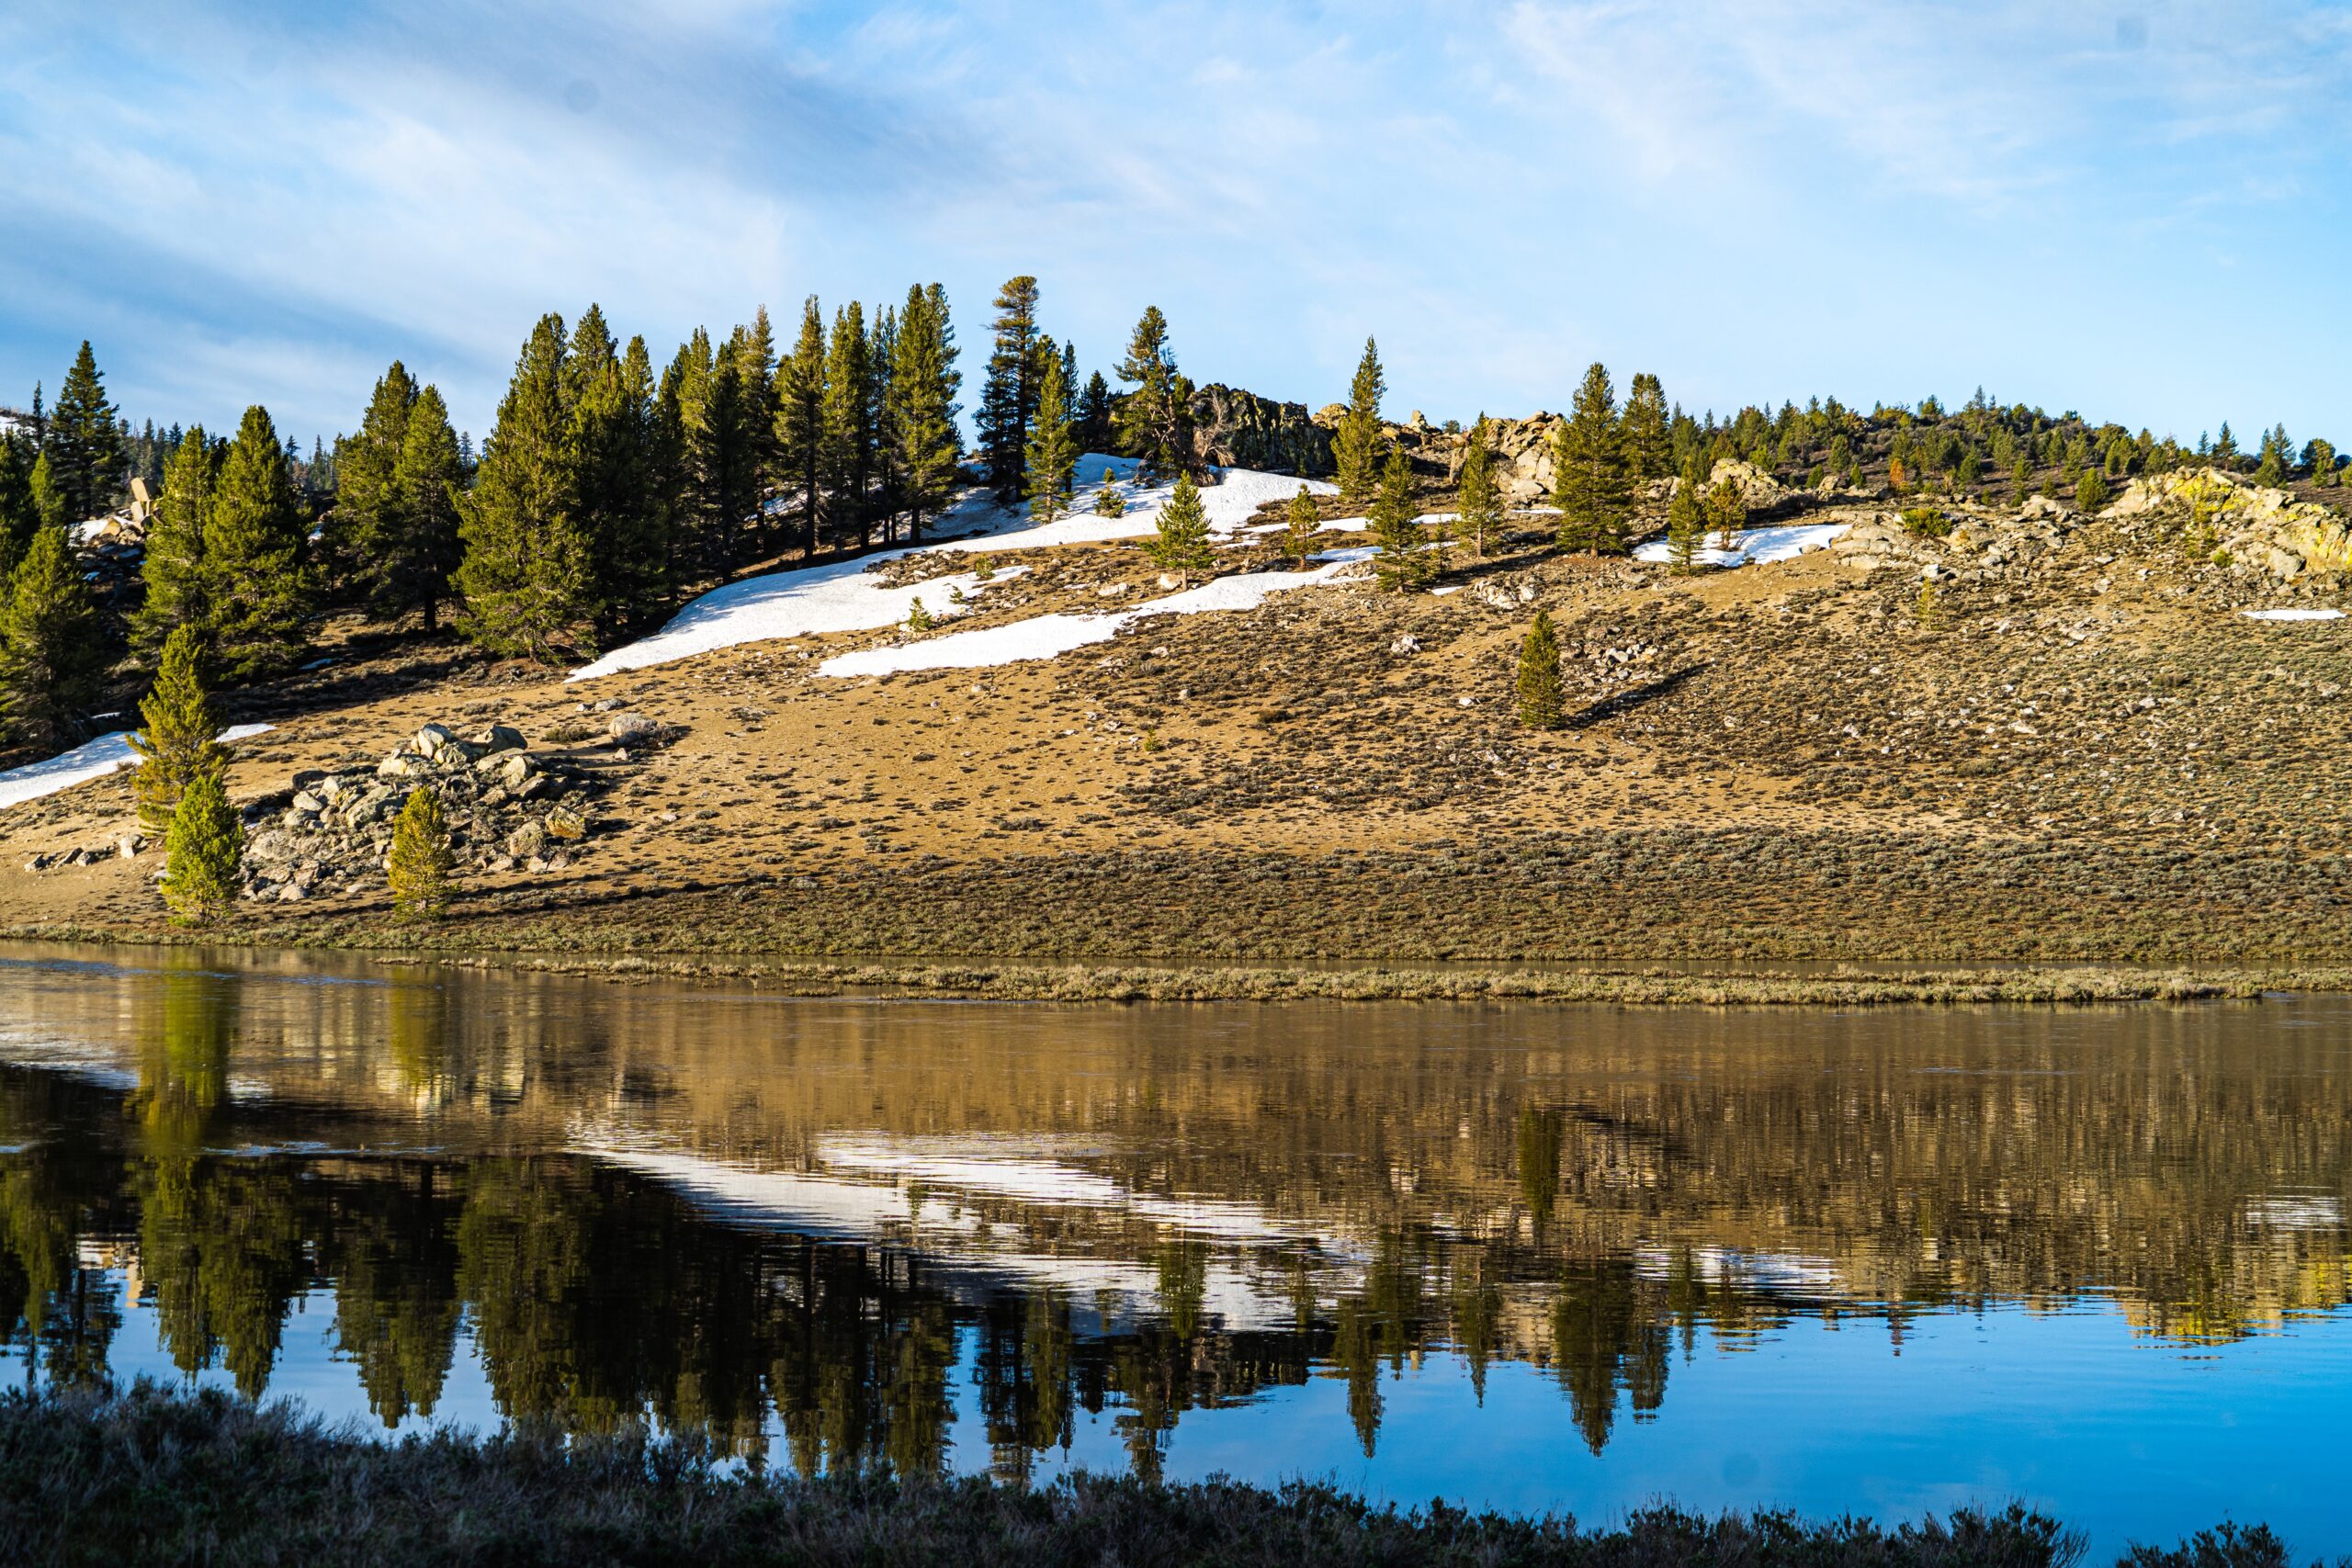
point(2071, 1412)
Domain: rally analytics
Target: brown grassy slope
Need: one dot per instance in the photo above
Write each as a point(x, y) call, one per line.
point(2091, 760)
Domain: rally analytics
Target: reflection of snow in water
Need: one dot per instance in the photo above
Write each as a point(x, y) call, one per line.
point(923, 1215)
point(1766, 1272)
point(2296, 1212)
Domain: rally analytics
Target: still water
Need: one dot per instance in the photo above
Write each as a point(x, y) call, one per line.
point(1535, 1258)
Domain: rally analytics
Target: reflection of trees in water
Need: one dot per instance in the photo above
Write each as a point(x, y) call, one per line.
point(1584, 1223)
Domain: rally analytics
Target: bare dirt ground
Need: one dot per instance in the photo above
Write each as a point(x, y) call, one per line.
point(2093, 757)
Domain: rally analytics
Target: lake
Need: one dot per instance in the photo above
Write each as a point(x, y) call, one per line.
point(1544, 1258)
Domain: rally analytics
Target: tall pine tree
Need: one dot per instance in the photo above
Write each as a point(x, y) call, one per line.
point(849, 419)
point(83, 441)
point(1051, 459)
point(19, 516)
point(1155, 419)
point(50, 653)
point(1355, 446)
point(1477, 499)
point(1648, 437)
point(1009, 398)
point(177, 741)
point(1402, 563)
point(800, 419)
point(369, 514)
point(526, 580)
point(1589, 482)
point(257, 590)
point(923, 383)
point(420, 559)
point(173, 565)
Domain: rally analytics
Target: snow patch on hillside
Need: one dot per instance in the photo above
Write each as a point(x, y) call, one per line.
point(1754, 546)
point(91, 759)
point(846, 596)
point(1046, 636)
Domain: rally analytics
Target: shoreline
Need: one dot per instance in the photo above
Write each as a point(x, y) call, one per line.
point(1607, 982)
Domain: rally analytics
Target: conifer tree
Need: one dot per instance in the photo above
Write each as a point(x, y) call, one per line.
point(2090, 491)
point(201, 851)
point(50, 653)
point(923, 383)
point(1589, 484)
point(849, 428)
point(427, 476)
point(1009, 398)
point(177, 741)
point(173, 565)
point(1686, 523)
point(1181, 544)
point(82, 438)
point(1108, 501)
point(2319, 455)
point(368, 511)
point(1052, 455)
point(1095, 416)
point(419, 863)
point(1155, 419)
point(1355, 446)
point(2271, 469)
point(1477, 499)
point(526, 580)
point(1727, 512)
point(1402, 564)
point(800, 419)
point(19, 516)
point(2226, 449)
point(1303, 520)
point(1539, 700)
point(255, 582)
point(1648, 442)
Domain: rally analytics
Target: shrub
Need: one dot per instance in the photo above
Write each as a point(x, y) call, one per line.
point(420, 862)
point(1540, 705)
point(201, 851)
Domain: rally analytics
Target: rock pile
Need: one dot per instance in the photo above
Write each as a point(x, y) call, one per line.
point(506, 809)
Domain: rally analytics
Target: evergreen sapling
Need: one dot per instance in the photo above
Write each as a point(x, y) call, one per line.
point(1540, 702)
point(177, 741)
point(1301, 523)
point(201, 851)
point(420, 862)
point(1181, 544)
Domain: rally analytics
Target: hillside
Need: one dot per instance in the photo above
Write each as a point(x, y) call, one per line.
point(2079, 744)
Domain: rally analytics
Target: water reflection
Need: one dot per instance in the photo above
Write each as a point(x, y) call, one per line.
point(789, 1227)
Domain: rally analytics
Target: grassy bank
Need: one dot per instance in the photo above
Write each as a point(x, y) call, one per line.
point(153, 1477)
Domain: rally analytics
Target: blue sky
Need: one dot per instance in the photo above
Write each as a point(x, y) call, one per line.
point(2140, 212)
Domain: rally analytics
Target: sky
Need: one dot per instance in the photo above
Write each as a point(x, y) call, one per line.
point(2140, 212)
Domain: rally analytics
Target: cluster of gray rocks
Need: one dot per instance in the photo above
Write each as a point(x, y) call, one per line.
point(507, 808)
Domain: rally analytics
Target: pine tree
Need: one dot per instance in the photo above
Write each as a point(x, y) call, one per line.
point(1304, 520)
point(526, 580)
point(1539, 700)
point(83, 441)
point(923, 383)
point(177, 739)
point(19, 514)
point(1155, 419)
point(419, 864)
point(800, 419)
point(849, 432)
point(369, 513)
point(1477, 499)
point(1095, 416)
point(255, 583)
point(428, 475)
point(1181, 544)
point(1355, 446)
point(1589, 483)
point(1052, 455)
point(201, 851)
point(1686, 523)
point(1727, 512)
point(1009, 399)
point(1402, 564)
point(2226, 449)
point(173, 566)
point(50, 653)
point(1648, 442)
point(2090, 491)
point(2319, 455)
point(2272, 467)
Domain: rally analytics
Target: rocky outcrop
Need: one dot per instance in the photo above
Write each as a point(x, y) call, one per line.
point(507, 808)
point(1233, 428)
point(2262, 530)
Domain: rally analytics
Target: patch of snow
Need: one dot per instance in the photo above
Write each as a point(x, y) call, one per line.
point(2293, 614)
point(843, 596)
point(91, 759)
point(1045, 637)
point(1755, 545)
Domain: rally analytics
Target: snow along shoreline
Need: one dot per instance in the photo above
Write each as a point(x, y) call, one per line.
point(91, 759)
